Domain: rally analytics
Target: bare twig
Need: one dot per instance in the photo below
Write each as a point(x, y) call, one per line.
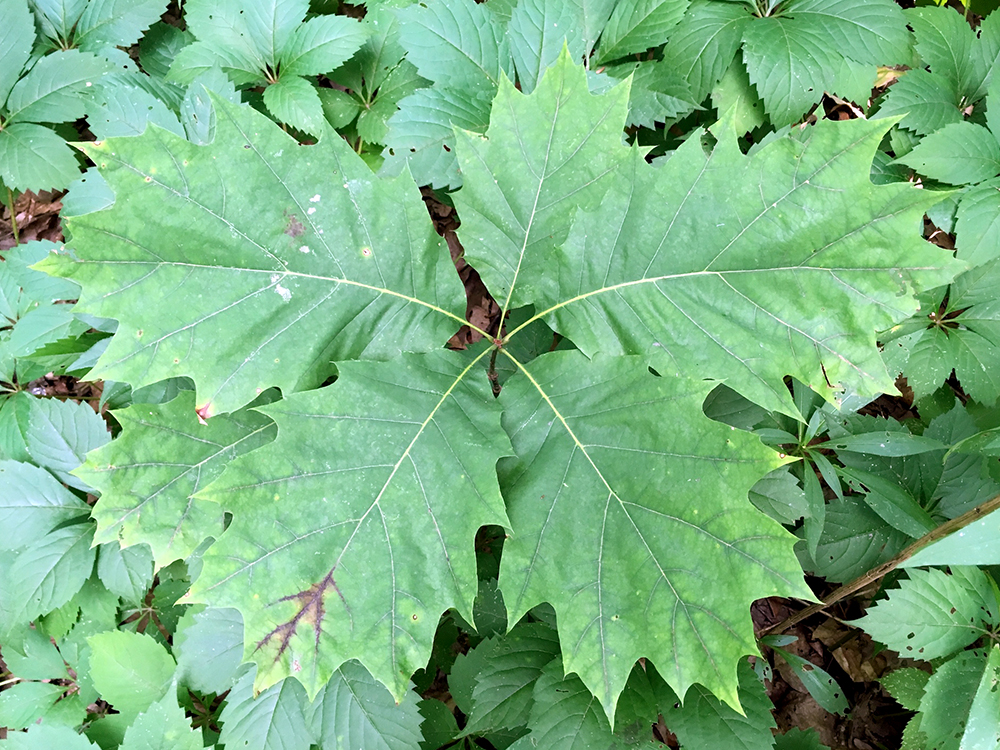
point(876, 573)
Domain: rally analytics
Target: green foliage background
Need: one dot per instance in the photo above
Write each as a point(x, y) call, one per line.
point(314, 520)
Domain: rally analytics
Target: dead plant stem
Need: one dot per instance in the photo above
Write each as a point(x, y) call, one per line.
point(877, 573)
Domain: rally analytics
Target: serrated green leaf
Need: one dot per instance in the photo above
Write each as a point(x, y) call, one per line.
point(30, 654)
point(27, 703)
point(320, 45)
point(47, 736)
point(115, 23)
point(56, 18)
point(149, 476)
point(704, 723)
point(779, 495)
point(208, 646)
point(592, 600)
point(54, 89)
point(637, 25)
point(869, 31)
point(502, 697)
point(946, 42)
point(893, 503)
point(314, 255)
point(16, 39)
point(160, 45)
point(948, 698)
point(41, 326)
point(126, 572)
point(32, 503)
point(906, 685)
point(791, 63)
point(886, 444)
point(438, 727)
point(294, 101)
point(374, 516)
point(538, 30)
point(162, 727)
point(982, 728)
point(656, 94)
point(977, 225)
point(51, 571)
point(695, 265)
point(957, 154)
point(119, 108)
point(705, 42)
point(421, 134)
point(564, 715)
point(227, 37)
point(197, 110)
point(456, 42)
point(928, 101)
point(32, 157)
point(58, 435)
point(274, 720)
point(131, 671)
point(400, 82)
point(854, 540)
point(272, 24)
point(932, 614)
point(734, 94)
point(354, 711)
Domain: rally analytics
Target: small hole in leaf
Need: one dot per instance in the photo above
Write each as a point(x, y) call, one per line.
point(446, 148)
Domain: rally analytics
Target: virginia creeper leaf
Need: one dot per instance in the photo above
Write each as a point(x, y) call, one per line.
point(928, 100)
point(32, 503)
point(149, 476)
point(456, 42)
point(320, 45)
point(273, 720)
point(538, 30)
point(354, 711)
point(637, 25)
point(957, 154)
point(32, 157)
point(293, 100)
point(115, 23)
point(345, 267)
point(53, 90)
point(16, 38)
point(51, 571)
point(208, 645)
point(933, 614)
point(397, 458)
point(56, 18)
point(162, 727)
point(946, 42)
point(131, 671)
point(704, 43)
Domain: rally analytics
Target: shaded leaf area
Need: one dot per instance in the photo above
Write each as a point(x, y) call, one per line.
point(149, 475)
point(354, 529)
